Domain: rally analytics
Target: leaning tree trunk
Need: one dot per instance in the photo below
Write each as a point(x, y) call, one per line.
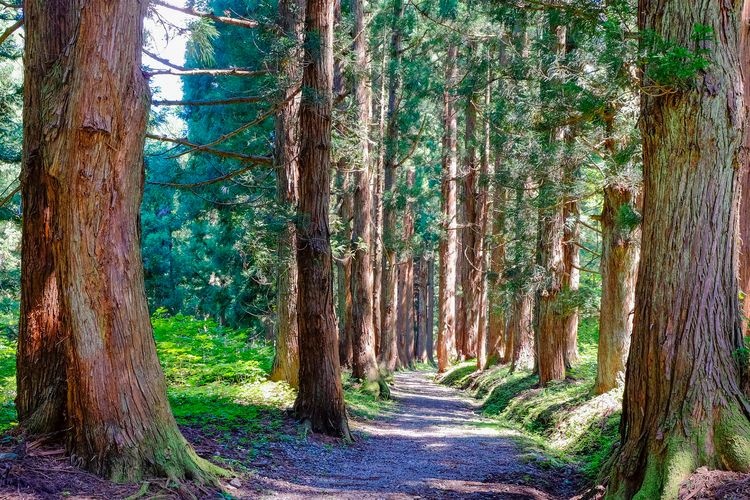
point(364, 364)
point(286, 361)
point(320, 401)
point(85, 117)
point(446, 339)
point(683, 407)
point(388, 356)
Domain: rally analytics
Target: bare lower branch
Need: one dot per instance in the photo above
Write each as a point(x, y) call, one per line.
point(12, 29)
point(9, 196)
point(258, 160)
point(210, 72)
point(216, 102)
point(194, 185)
point(234, 21)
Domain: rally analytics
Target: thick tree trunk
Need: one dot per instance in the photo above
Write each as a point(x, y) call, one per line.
point(320, 400)
point(85, 118)
point(388, 356)
point(286, 360)
point(744, 215)
point(683, 407)
point(364, 364)
point(446, 338)
point(619, 265)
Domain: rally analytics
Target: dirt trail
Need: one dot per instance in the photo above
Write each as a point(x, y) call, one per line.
point(434, 444)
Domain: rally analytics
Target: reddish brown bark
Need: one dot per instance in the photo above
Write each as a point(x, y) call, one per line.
point(320, 400)
point(744, 215)
point(91, 99)
point(519, 349)
point(286, 360)
point(446, 337)
point(571, 261)
point(364, 364)
point(683, 407)
point(406, 314)
point(388, 355)
point(496, 307)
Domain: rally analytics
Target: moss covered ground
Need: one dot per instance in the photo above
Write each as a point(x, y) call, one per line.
point(563, 424)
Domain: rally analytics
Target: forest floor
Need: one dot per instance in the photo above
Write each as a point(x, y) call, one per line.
point(432, 444)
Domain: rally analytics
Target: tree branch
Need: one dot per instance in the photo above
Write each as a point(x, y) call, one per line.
point(210, 72)
point(217, 102)
point(234, 21)
point(12, 29)
point(194, 185)
point(6, 199)
point(257, 160)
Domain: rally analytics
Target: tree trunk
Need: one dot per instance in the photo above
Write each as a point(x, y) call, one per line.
point(572, 261)
point(388, 356)
point(406, 321)
point(320, 400)
point(744, 215)
point(519, 350)
point(421, 300)
point(286, 360)
point(446, 340)
point(619, 264)
point(430, 316)
point(683, 407)
point(344, 264)
point(364, 364)
point(85, 122)
point(496, 307)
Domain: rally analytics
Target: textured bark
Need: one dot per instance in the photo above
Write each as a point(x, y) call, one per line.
point(744, 215)
point(496, 310)
point(364, 364)
point(446, 338)
point(423, 304)
point(344, 267)
point(377, 204)
point(406, 314)
point(519, 350)
point(388, 356)
point(619, 265)
point(85, 116)
point(552, 325)
point(471, 236)
point(571, 261)
point(320, 400)
point(286, 360)
point(683, 407)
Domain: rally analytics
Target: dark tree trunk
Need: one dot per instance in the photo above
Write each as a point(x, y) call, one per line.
point(683, 407)
point(446, 339)
point(388, 356)
point(406, 323)
point(286, 361)
point(430, 317)
point(344, 265)
point(320, 401)
point(519, 350)
point(496, 308)
point(86, 332)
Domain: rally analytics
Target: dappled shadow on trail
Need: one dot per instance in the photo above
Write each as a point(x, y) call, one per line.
point(433, 444)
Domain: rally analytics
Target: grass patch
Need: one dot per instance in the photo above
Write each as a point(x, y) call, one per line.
point(565, 423)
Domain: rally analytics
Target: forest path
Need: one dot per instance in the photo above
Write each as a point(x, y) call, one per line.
point(433, 444)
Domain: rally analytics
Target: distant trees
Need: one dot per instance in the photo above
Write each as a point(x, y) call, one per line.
point(87, 365)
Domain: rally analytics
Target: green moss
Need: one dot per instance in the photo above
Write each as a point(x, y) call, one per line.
point(365, 401)
point(732, 440)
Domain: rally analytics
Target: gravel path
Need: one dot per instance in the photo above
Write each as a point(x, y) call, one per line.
point(433, 444)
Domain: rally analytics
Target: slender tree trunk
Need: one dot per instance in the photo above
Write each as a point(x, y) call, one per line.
point(388, 357)
point(446, 340)
point(572, 261)
point(364, 365)
point(683, 407)
point(406, 321)
point(471, 240)
point(320, 400)
point(496, 307)
point(286, 361)
point(430, 319)
point(85, 122)
point(422, 303)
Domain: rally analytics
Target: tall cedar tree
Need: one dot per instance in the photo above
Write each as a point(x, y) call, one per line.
point(364, 364)
point(87, 364)
point(320, 400)
point(683, 407)
point(286, 362)
point(446, 339)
